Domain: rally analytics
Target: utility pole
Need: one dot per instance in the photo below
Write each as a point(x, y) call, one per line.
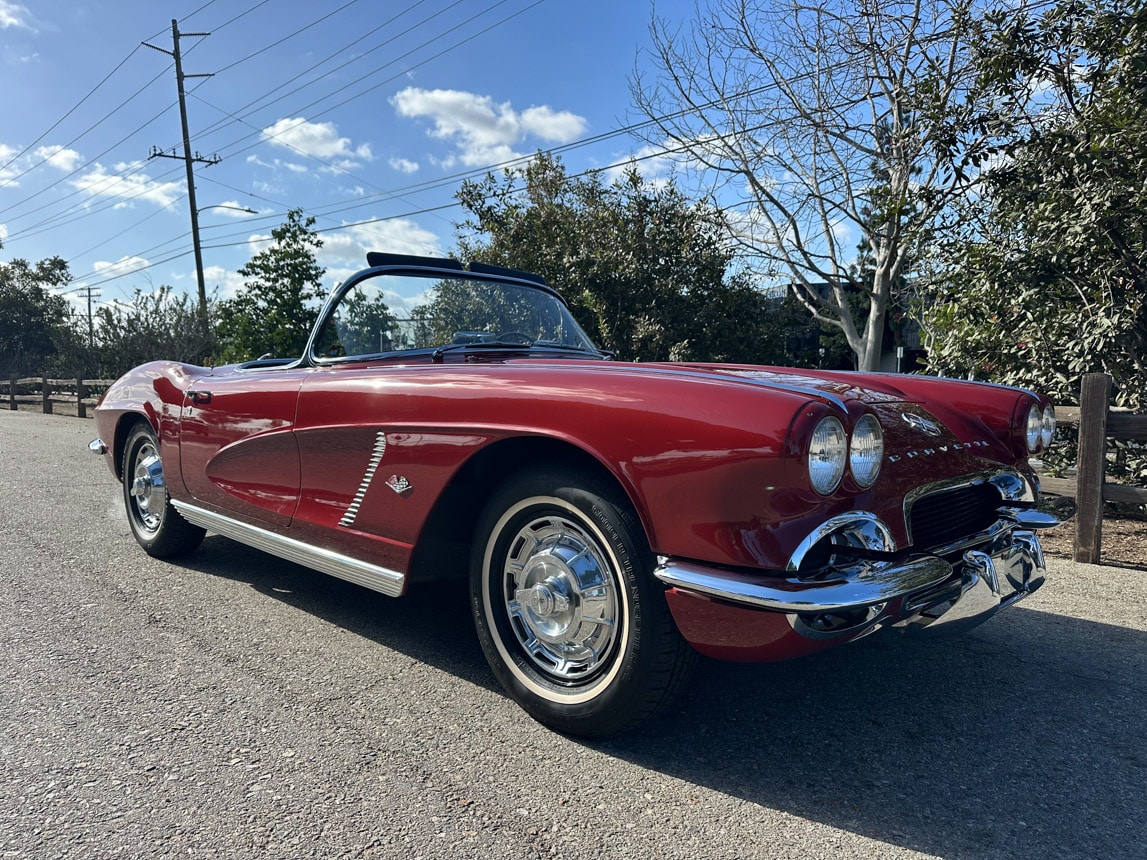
point(90, 293)
point(189, 160)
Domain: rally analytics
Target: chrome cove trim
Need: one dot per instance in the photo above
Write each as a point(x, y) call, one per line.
point(97, 446)
point(389, 582)
point(858, 528)
point(372, 466)
point(865, 585)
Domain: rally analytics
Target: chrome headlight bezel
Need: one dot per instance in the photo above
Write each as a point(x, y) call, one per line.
point(1034, 430)
point(866, 451)
point(827, 455)
point(1047, 431)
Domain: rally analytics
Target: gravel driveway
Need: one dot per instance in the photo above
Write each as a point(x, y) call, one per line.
point(236, 706)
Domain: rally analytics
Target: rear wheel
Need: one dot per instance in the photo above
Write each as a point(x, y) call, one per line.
point(569, 614)
point(155, 523)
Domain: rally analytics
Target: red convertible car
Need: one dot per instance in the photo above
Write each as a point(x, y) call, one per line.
point(452, 425)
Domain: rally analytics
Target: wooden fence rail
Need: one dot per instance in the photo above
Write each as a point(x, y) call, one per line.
point(48, 391)
point(1097, 423)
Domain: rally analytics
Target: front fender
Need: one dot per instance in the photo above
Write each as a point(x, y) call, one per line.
point(153, 393)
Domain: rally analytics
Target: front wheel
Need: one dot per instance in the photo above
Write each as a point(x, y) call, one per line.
point(155, 523)
point(569, 614)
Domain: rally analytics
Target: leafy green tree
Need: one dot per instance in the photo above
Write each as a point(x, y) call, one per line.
point(1049, 279)
point(643, 268)
point(36, 324)
point(275, 309)
point(157, 325)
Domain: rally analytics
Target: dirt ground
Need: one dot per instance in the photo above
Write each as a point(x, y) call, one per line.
point(1123, 542)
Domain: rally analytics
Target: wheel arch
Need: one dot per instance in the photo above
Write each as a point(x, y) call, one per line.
point(443, 547)
point(124, 425)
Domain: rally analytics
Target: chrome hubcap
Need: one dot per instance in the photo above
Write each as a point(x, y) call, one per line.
point(561, 597)
point(148, 491)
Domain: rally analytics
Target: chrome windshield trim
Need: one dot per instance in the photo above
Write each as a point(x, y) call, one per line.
point(866, 585)
point(381, 579)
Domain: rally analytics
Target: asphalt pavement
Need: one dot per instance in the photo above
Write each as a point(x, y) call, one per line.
point(236, 706)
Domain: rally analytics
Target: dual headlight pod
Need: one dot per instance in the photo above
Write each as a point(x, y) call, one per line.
point(830, 450)
point(1040, 428)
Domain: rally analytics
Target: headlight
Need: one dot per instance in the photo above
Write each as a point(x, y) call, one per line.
point(1035, 428)
point(827, 453)
point(866, 451)
point(1048, 430)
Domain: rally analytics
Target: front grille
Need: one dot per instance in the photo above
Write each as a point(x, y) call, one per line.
point(945, 516)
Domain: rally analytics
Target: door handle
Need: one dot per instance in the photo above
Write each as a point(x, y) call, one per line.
point(199, 397)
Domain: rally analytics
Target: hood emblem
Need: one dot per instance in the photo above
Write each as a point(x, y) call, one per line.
point(919, 422)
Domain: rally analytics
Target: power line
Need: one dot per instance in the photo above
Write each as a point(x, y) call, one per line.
point(286, 38)
point(338, 52)
point(71, 110)
point(375, 71)
point(134, 168)
point(78, 169)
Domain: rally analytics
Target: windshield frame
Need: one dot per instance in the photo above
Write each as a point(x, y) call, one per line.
point(445, 270)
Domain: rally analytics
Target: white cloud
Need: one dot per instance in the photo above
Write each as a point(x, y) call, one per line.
point(344, 251)
point(3, 233)
point(404, 165)
point(222, 280)
point(320, 140)
point(128, 186)
point(277, 164)
point(14, 15)
point(7, 174)
point(59, 157)
point(63, 159)
point(484, 132)
point(122, 266)
point(548, 124)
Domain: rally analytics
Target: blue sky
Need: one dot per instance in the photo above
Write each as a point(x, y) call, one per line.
point(354, 110)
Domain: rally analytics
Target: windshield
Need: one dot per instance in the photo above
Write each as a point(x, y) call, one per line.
point(405, 312)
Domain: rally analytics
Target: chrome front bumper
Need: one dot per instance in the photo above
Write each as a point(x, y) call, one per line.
point(950, 590)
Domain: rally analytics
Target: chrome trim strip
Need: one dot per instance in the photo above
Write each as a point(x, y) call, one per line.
point(389, 582)
point(867, 528)
point(1031, 518)
point(371, 467)
point(866, 586)
point(685, 370)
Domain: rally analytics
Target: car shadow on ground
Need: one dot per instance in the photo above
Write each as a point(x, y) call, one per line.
point(1024, 738)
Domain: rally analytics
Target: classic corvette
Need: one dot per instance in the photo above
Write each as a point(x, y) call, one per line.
point(452, 427)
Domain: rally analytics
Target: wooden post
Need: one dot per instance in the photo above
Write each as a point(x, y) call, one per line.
point(81, 409)
point(47, 397)
point(1091, 470)
point(12, 394)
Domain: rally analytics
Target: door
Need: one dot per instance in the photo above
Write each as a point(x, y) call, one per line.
point(237, 445)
